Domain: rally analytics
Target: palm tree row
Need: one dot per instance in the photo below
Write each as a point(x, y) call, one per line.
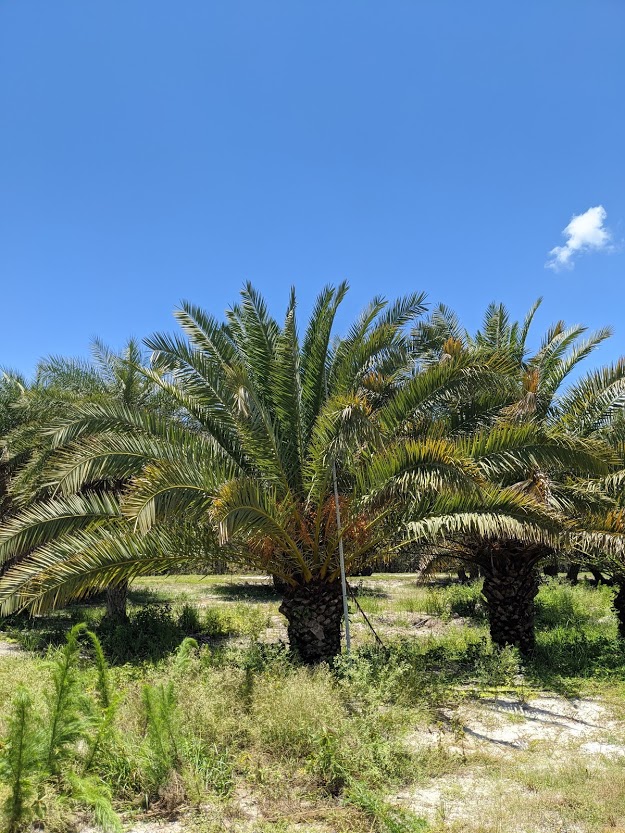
point(438, 440)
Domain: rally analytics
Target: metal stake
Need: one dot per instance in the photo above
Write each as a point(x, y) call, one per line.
point(341, 559)
point(341, 556)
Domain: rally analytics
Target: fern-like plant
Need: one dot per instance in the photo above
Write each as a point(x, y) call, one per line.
point(162, 749)
point(48, 751)
point(20, 762)
point(67, 706)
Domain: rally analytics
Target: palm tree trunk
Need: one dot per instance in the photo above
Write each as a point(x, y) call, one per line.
point(510, 587)
point(619, 606)
point(314, 612)
point(279, 584)
point(116, 597)
point(597, 577)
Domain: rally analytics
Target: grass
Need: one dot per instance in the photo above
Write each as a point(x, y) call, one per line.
point(226, 730)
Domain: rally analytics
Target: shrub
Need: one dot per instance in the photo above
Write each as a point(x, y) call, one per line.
point(150, 633)
point(189, 620)
point(456, 600)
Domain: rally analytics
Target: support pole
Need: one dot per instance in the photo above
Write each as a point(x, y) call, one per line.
point(339, 532)
point(341, 559)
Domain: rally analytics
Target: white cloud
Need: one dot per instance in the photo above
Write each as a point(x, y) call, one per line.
point(585, 232)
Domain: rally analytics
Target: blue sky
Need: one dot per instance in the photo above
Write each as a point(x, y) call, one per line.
point(153, 151)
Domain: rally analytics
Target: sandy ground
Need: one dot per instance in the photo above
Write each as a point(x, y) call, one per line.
point(546, 731)
point(9, 649)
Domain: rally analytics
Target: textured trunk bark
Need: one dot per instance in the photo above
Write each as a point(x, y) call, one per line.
point(116, 596)
point(314, 612)
point(599, 578)
point(619, 606)
point(510, 587)
point(279, 585)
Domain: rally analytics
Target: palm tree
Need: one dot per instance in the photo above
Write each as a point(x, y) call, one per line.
point(61, 387)
point(600, 547)
point(536, 399)
point(262, 420)
point(12, 387)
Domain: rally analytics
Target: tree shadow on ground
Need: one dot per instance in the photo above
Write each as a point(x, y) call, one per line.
point(246, 592)
point(362, 590)
point(145, 596)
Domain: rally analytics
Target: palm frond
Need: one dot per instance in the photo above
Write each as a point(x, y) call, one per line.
point(410, 469)
point(489, 514)
point(512, 450)
point(314, 356)
point(43, 522)
point(70, 566)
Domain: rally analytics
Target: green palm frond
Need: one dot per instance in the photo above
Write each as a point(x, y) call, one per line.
point(511, 450)
point(410, 469)
point(255, 333)
point(43, 522)
point(527, 323)
point(576, 499)
point(613, 485)
point(184, 487)
point(74, 375)
point(286, 396)
point(429, 336)
point(109, 458)
point(112, 417)
point(441, 385)
point(594, 400)
point(555, 373)
point(243, 509)
point(378, 341)
point(206, 334)
point(555, 344)
point(344, 425)
point(314, 356)
point(71, 565)
point(492, 513)
point(496, 328)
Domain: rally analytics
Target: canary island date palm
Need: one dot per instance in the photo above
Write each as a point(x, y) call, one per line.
point(261, 421)
point(61, 387)
point(535, 398)
point(25, 406)
point(12, 387)
point(601, 544)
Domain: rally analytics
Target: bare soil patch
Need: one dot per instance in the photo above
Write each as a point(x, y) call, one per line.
point(505, 747)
